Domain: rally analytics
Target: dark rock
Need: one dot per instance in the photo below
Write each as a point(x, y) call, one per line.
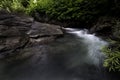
point(44, 30)
point(101, 24)
point(103, 27)
point(13, 29)
point(6, 31)
point(19, 34)
point(11, 44)
point(107, 27)
point(43, 40)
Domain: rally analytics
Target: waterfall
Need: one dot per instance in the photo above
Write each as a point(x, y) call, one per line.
point(93, 43)
point(75, 56)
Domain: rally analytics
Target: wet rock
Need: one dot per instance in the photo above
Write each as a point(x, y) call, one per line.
point(43, 29)
point(43, 40)
point(10, 45)
point(20, 33)
point(36, 52)
point(13, 29)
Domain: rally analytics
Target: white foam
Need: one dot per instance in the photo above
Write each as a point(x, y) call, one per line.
point(94, 44)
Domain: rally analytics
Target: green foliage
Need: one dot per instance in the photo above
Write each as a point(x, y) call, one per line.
point(12, 5)
point(72, 10)
point(75, 10)
point(5, 4)
point(32, 6)
point(63, 10)
point(112, 61)
point(17, 6)
point(40, 6)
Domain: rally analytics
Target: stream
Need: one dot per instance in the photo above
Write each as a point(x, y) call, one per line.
point(76, 56)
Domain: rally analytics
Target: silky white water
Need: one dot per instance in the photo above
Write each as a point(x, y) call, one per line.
point(93, 45)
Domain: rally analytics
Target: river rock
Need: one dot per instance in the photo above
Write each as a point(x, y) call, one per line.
point(18, 32)
point(43, 29)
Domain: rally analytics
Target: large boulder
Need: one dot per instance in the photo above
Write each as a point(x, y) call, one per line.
point(13, 29)
point(42, 33)
point(20, 32)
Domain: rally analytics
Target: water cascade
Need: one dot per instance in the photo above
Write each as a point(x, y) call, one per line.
point(93, 45)
point(76, 56)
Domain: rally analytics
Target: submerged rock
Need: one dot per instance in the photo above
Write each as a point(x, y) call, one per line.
point(20, 32)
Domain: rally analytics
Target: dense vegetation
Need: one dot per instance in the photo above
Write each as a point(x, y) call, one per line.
point(73, 11)
point(112, 61)
point(112, 51)
point(81, 11)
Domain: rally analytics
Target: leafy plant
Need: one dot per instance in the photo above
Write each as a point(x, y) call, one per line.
point(112, 61)
point(63, 10)
point(17, 6)
point(12, 5)
point(39, 6)
point(6, 4)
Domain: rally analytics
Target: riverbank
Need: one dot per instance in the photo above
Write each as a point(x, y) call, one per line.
point(20, 34)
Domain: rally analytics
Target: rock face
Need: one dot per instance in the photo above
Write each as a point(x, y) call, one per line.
point(108, 27)
point(103, 26)
point(17, 33)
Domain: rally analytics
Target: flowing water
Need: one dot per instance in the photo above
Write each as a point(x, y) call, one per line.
point(76, 56)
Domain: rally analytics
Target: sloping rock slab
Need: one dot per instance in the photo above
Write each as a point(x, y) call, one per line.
point(20, 32)
point(43, 30)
